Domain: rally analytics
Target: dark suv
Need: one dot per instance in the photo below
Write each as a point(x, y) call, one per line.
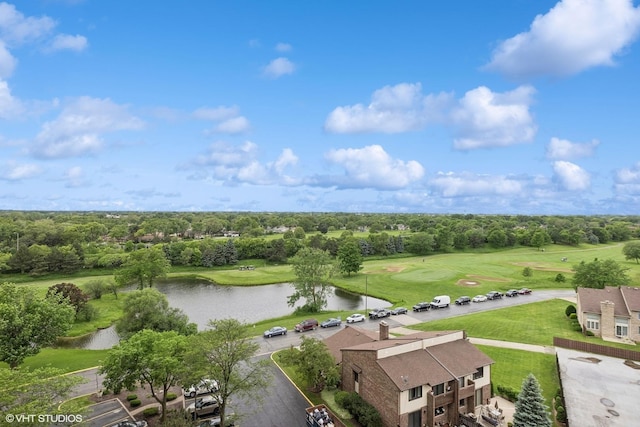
point(306, 325)
point(494, 295)
point(463, 300)
point(422, 306)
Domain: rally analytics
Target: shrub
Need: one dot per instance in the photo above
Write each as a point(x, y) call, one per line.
point(573, 316)
point(362, 411)
point(561, 414)
point(570, 309)
point(132, 397)
point(171, 396)
point(86, 313)
point(150, 412)
point(340, 397)
point(560, 278)
point(589, 333)
point(508, 393)
point(135, 403)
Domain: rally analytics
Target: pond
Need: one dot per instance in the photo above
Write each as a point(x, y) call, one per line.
point(203, 301)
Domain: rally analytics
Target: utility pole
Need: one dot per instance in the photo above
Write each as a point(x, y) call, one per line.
point(366, 292)
point(17, 242)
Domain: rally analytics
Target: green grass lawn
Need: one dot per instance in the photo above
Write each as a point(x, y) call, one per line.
point(536, 323)
point(512, 367)
point(65, 359)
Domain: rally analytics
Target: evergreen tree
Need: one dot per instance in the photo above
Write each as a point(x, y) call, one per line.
point(230, 252)
point(530, 408)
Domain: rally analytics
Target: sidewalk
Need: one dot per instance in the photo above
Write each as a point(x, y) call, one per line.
point(514, 345)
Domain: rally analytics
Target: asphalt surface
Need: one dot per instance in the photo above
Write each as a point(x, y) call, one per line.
point(283, 404)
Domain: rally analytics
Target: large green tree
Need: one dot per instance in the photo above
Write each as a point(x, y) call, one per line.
point(540, 238)
point(149, 309)
point(313, 269)
point(598, 274)
point(530, 410)
point(226, 352)
point(38, 393)
point(29, 322)
point(314, 363)
point(143, 267)
point(631, 250)
point(149, 358)
point(349, 256)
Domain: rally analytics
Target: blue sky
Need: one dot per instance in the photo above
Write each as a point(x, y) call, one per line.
point(486, 107)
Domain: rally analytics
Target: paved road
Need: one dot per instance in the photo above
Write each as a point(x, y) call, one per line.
point(283, 404)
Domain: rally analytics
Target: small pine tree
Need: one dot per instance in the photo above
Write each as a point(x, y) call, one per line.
point(530, 410)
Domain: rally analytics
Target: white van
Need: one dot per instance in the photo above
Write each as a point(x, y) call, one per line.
point(441, 301)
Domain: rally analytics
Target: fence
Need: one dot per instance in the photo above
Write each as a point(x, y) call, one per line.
point(604, 350)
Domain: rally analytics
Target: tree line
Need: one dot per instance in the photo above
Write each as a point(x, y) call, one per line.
point(39, 243)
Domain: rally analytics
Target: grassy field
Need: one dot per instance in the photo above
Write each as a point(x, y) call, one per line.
point(67, 360)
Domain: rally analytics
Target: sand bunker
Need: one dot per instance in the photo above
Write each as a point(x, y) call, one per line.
point(469, 283)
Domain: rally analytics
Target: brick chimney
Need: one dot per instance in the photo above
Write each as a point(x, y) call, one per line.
point(384, 330)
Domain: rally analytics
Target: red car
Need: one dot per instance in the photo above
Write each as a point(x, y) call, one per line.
point(524, 291)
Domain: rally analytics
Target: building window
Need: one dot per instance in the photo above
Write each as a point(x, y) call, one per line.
point(415, 419)
point(438, 389)
point(461, 403)
point(479, 373)
point(439, 410)
point(622, 327)
point(415, 393)
point(356, 377)
point(593, 325)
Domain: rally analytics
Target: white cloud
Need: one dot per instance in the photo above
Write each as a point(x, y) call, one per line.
point(229, 119)
point(15, 28)
point(369, 167)
point(573, 36)
point(9, 105)
point(279, 67)
point(79, 128)
point(565, 149)
point(283, 47)
point(12, 171)
point(7, 62)
point(67, 42)
point(234, 125)
point(489, 119)
point(393, 109)
point(217, 113)
point(450, 184)
point(571, 176)
point(236, 164)
point(75, 177)
point(627, 180)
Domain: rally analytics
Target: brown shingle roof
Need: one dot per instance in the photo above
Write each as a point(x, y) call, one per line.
point(414, 368)
point(350, 335)
point(590, 299)
point(632, 297)
point(460, 357)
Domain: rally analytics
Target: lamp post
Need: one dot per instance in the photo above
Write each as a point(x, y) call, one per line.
point(366, 293)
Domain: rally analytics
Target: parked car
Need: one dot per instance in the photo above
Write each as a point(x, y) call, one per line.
point(356, 317)
point(422, 306)
point(463, 300)
point(204, 406)
point(306, 325)
point(441, 301)
point(276, 330)
point(229, 421)
point(205, 386)
point(399, 310)
point(379, 313)
point(479, 298)
point(334, 321)
point(524, 291)
point(511, 293)
point(495, 295)
point(127, 423)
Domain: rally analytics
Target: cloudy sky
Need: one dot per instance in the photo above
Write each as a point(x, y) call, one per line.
point(448, 106)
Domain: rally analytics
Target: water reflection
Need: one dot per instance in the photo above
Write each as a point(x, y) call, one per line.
point(203, 301)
